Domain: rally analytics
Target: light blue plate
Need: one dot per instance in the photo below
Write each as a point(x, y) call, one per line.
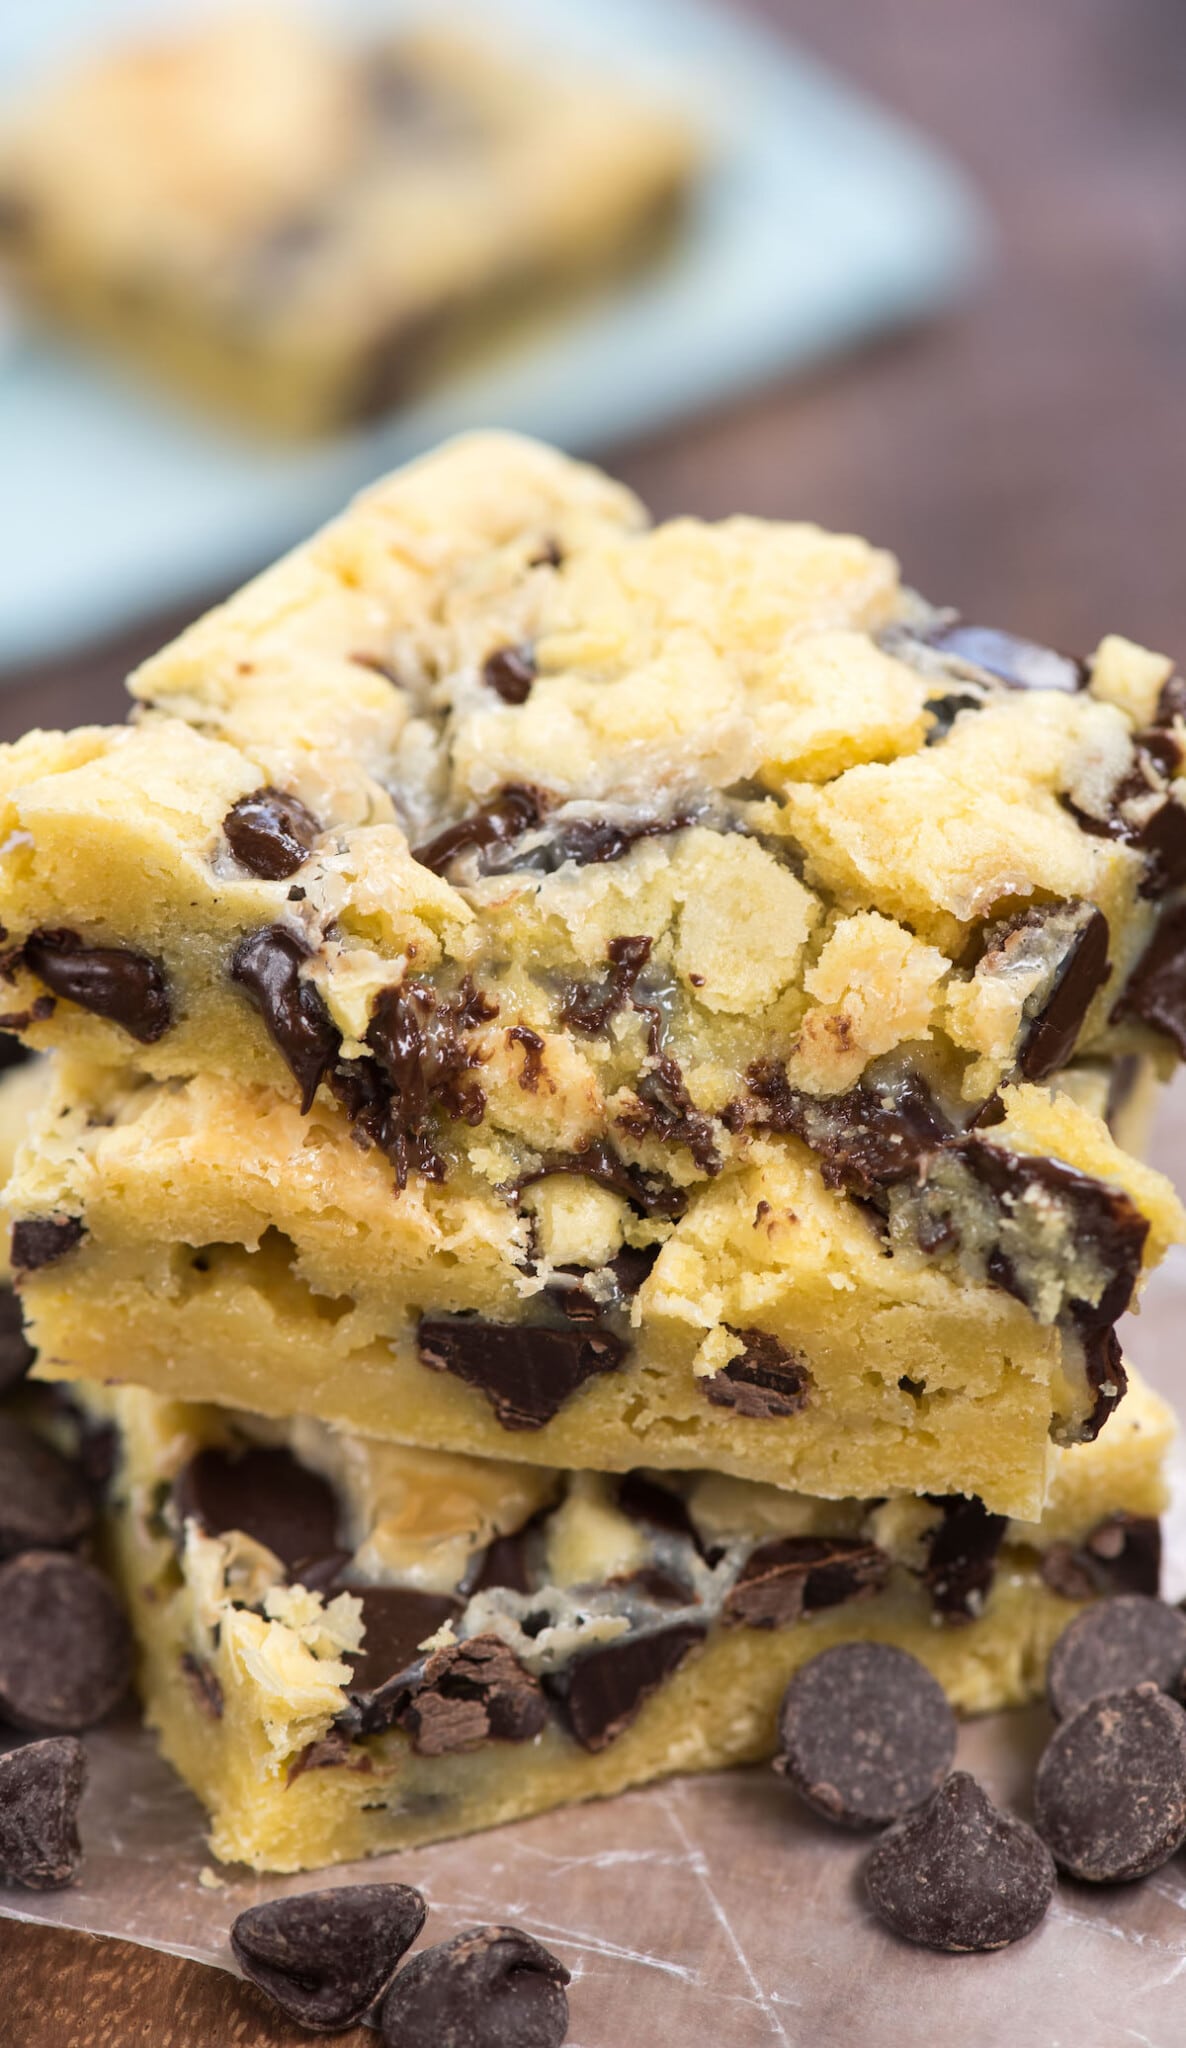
point(820, 219)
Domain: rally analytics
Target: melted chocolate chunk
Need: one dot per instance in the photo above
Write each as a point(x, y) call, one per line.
point(515, 810)
point(38, 1240)
point(41, 1786)
point(203, 1684)
point(1117, 1643)
point(1123, 1555)
point(111, 981)
point(865, 1734)
point(531, 1071)
point(666, 1110)
point(334, 1751)
point(1110, 1793)
point(791, 1576)
point(652, 1194)
point(599, 1694)
point(1143, 813)
point(265, 1493)
point(420, 1041)
point(1156, 991)
point(505, 1562)
point(396, 1620)
point(270, 834)
point(865, 1140)
point(12, 1052)
point(646, 1499)
point(267, 964)
point(960, 1875)
point(764, 1382)
point(491, 1987)
point(946, 709)
point(45, 1502)
point(16, 1352)
point(469, 1694)
point(589, 1005)
point(527, 1371)
point(962, 1557)
point(1020, 664)
point(590, 842)
point(1048, 1038)
point(325, 1958)
point(1171, 704)
point(65, 1650)
point(510, 672)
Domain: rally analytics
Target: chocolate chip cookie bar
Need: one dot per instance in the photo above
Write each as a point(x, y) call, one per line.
point(299, 231)
point(675, 946)
point(348, 1647)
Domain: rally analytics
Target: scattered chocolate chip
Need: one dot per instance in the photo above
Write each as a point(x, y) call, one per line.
point(1021, 664)
point(1071, 940)
point(865, 1734)
point(589, 842)
point(1118, 1643)
point(325, 1958)
point(527, 1371)
point(491, 1987)
point(38, 1240)
point(12, 1052)
point(531, 1071)
point(41, 1786)
point(111, 981)
point(65, 1651)
point(471, 1693)
point(663, 1108)
point(396, 1620)
point(589, 1005)
point(791, 1576)
point(960, 1875)
point(1122, 1555)
point(652, 1194)
point(267, 964)
point(515, 810)
point(510, 672)
point(646, 1500)
point(599, 1693)
point(1110, 1793)
point(946, 709)
point(867, 1139)
point(16, 1352)
point(334, 1751)
point(962, 1557)
point(1156, 991)
point(424, 1058)
point(270, 834)
point(763, 1382)
point(203, 1684)
point(45, 1503)
point(265, 1493)
point(505, 1562)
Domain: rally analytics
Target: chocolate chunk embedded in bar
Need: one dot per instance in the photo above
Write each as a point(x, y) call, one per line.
point(600, 1693)
point(764, 1381)
point(1122, 1555)
point(65, 1651)
point(1070, 942)
point(960, 1875)
point(470, 1693)
point(1020, 664)
point(39, 1240)
point(514, 811)
point(16, 1352)
point(270, 834)
point(510, 672)
point(325, 1958)
point(266, 1493)
point(865, 1734)
point(41, 1785)
point(526, 1371)
point(1110, 1794)
point(396, 1620)
point(491, 1987)
point(1118, 1643)
point(267, 964)
point(589, 1005)
point(112, 981)
point(791, 1576)
point(45, 1502)
point(1156, 991)
point(961, 1557)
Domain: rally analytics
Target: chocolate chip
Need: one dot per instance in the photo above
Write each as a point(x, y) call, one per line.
point(45, 1503)
point(962, 1557)
point(663, 1109)
point(270, 834)
point(12, 1052)
point(1156, 991)
point(960, 1875)
point(589, 842)
point(1079, 968)
point(1116, 1644)
point(600, 1693)
point(65, 1652)
point(267, 964)
point(867, 1139)
point(41, 1785)
point(16, 1352)
point(865, 1734)
point(515, 810)
point(1171, 703)
point(531, 1072)
point(652, 1194)
point(1110, 1794)
point(646, 1499)
point(111, 981)
point(396, 1620)
point(471, 1693)
point(1020, 664)
point(792, 1576)
point(505, 1562)
point(510, 672)
point(265, 1493)
point(1122, 1555)
point(491, 1987)
point(424, 1057)
point(589, 1005)
point(334, 1751)
point(763, 1382)
point(203, 1684)
point(527, 1371)
point(946, 709)
point(325, 1958)
point(38, 1240)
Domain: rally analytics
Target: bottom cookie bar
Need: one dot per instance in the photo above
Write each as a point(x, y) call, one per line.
point(349, 1647)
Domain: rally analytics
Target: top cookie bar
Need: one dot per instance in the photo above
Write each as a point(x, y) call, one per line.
point(568, 857)
point(300, 230)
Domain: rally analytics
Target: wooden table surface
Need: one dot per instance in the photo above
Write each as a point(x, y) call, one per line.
point(1025, 457)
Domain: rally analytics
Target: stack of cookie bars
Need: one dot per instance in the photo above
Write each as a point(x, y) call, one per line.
point(583, 1152)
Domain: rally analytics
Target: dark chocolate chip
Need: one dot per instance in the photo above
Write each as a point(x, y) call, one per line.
point(65, 1651)
point(646, 1499)
point(471, 1693)
point(527, 1371)
point(960, 1875)
point(662, 1108)
point(791, 1576)
point(1122, 1555)
point(1156, 991)
point(1171, 704)
point(265, 1493)
point(946, 709)
point(510, 672)
point(599, 1693)
point(12, 1052)
point(1021, 664)
point(396, 1620)
point(491, 1987)
point(1110, 1794)
point(38, 1240)
point(763, 1382)
point(515, 810)
point(589, 1005)
point(1116, 1644)
point(334, 1751)
point(1048, 1038)
point(325, 1958)
point(865, 1734)
point(16, 1352)
point(652, 1194)
point(867, 1139)
point(111, 981)
point(268, 964)
point(962, 1557)
point(589, 842)
point(45, 1502)
point(424, 1057)
point(270, 834)
point(505, 1562)
point(41, 1785)
point(203, 1684)
point(531, 1072)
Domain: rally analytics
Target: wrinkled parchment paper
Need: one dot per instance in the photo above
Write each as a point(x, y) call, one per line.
point(713, 1910)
